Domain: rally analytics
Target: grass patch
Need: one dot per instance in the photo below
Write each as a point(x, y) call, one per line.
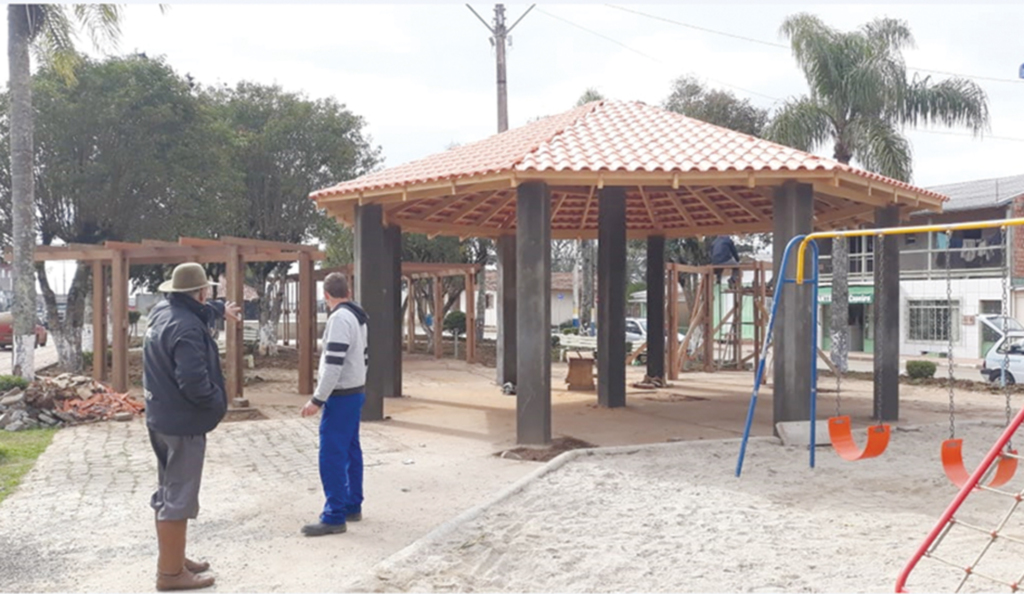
point(18, 453)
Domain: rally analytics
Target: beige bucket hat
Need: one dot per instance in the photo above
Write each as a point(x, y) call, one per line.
point(186, 278)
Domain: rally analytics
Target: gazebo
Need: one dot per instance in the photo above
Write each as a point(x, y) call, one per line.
point(616, 170)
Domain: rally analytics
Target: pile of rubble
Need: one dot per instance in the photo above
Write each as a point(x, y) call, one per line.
point(64, 400)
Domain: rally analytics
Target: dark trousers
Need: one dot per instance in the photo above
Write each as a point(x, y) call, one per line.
point(341, 457)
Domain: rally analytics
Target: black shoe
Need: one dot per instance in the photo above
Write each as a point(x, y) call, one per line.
point(321, 529)
point(354, 517)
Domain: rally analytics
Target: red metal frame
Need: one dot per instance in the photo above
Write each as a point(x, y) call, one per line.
point(971, 484)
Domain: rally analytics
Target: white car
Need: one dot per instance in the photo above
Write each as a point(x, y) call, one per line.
point(1009, 350)
point(636, 331)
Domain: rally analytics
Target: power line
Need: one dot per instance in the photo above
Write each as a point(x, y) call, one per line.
point(776, 99)
point(658, 60)
point(783, 46)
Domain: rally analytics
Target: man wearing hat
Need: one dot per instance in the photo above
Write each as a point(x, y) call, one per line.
point(185, 399)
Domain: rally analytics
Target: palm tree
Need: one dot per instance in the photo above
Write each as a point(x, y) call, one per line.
point(860, 101)
point(49, 31)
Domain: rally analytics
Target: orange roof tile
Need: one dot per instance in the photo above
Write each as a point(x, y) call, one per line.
point(682, 176)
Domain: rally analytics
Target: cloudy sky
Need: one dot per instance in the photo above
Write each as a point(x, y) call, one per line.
point(423, 75)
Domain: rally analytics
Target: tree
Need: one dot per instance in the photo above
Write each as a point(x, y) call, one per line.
point(128, 152)
point(692, 99)
point(587, 248)
point(47, 29)
point(285, 146)
point(860, 101)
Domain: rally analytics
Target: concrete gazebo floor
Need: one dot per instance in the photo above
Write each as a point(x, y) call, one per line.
point(452, 398)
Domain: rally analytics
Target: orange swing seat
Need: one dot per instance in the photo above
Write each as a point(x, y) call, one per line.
point(953, 465)
point(841, 434)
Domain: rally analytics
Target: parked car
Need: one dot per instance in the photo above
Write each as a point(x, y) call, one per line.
point(1010, 350)
point(636, 331)
point(997, 321)
point(7, 331)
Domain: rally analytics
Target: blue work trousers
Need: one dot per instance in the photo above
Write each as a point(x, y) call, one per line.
point(341, 457)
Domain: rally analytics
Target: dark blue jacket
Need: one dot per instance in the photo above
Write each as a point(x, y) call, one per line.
point(723, 250)
point(182, 378)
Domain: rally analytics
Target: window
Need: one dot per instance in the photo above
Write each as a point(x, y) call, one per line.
point(632, 328)
point(933, 320)
point(489, 301)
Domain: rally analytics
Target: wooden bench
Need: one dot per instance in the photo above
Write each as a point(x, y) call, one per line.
point(581, 367)
point(576, 344)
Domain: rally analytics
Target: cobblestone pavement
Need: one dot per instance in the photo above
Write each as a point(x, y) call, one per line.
point(80, 521)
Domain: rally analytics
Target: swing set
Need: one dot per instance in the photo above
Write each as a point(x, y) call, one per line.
point(839, 426)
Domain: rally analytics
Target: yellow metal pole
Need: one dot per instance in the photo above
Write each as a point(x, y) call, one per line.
point(896, 231)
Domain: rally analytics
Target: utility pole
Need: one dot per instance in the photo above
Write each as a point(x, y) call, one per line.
point(505, 246)
point(499, 37)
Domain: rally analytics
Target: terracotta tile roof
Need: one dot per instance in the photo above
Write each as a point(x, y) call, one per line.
point(610, 136)
point(683, 177)
point(560, 281)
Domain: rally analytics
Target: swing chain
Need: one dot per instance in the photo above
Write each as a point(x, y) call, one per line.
point(1005, 306)
point(949, 332)
point(880, 260)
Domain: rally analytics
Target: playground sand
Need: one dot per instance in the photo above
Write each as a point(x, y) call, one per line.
point(675, 518)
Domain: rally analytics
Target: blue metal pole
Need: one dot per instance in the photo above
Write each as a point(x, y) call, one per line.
point(779, 281)
point(814, 349)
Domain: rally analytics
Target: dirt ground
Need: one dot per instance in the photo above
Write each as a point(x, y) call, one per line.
point(445, 447)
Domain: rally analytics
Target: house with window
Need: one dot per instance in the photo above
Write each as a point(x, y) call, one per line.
point(946, 280)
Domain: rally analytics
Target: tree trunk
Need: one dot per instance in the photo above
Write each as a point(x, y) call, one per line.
point(22, 191)
point(481, 304)
point(587, 282)
point(839, 322)
point(66, 334)
point(270, 299)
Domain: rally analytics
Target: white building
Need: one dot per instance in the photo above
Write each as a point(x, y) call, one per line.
point(978, 268)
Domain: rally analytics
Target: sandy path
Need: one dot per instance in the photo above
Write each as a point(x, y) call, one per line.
point(673, 518)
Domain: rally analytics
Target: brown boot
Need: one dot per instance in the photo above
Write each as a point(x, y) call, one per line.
point(171, 571)
point(186, 580)
point(196, 566)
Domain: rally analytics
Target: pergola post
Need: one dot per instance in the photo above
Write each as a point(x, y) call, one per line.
point(373, 285)
point(887, 318)
point(235, 330)
point(791, 390)
point(533, 315)
point(410, 310)
point(673, 322)
point(507, 310)
point(119, 317)
point(656, 307)
point(306, 322)
point(471, 317)
point(438, 325)
point(611, 306)
point(99, 322)
point(393, 322)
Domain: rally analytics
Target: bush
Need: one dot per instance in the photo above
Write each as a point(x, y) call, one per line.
point(455, 323)
point(555, 341)
point(571, 331)
point(920, 369)
point(9, 382)
point(134, 316)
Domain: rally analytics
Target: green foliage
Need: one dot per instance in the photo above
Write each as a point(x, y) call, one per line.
point(9, 382)
point(455, 323)
point(691, 98)
point(134, 316)
point(18, 453)
point(920, 369)
point(555, 342)
point(860, 97)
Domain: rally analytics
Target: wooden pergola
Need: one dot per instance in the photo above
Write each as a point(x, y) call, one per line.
point(433, 271)
point(235, 252)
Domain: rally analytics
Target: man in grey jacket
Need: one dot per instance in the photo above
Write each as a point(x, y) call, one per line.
point(340, 394)
point(185, 399)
